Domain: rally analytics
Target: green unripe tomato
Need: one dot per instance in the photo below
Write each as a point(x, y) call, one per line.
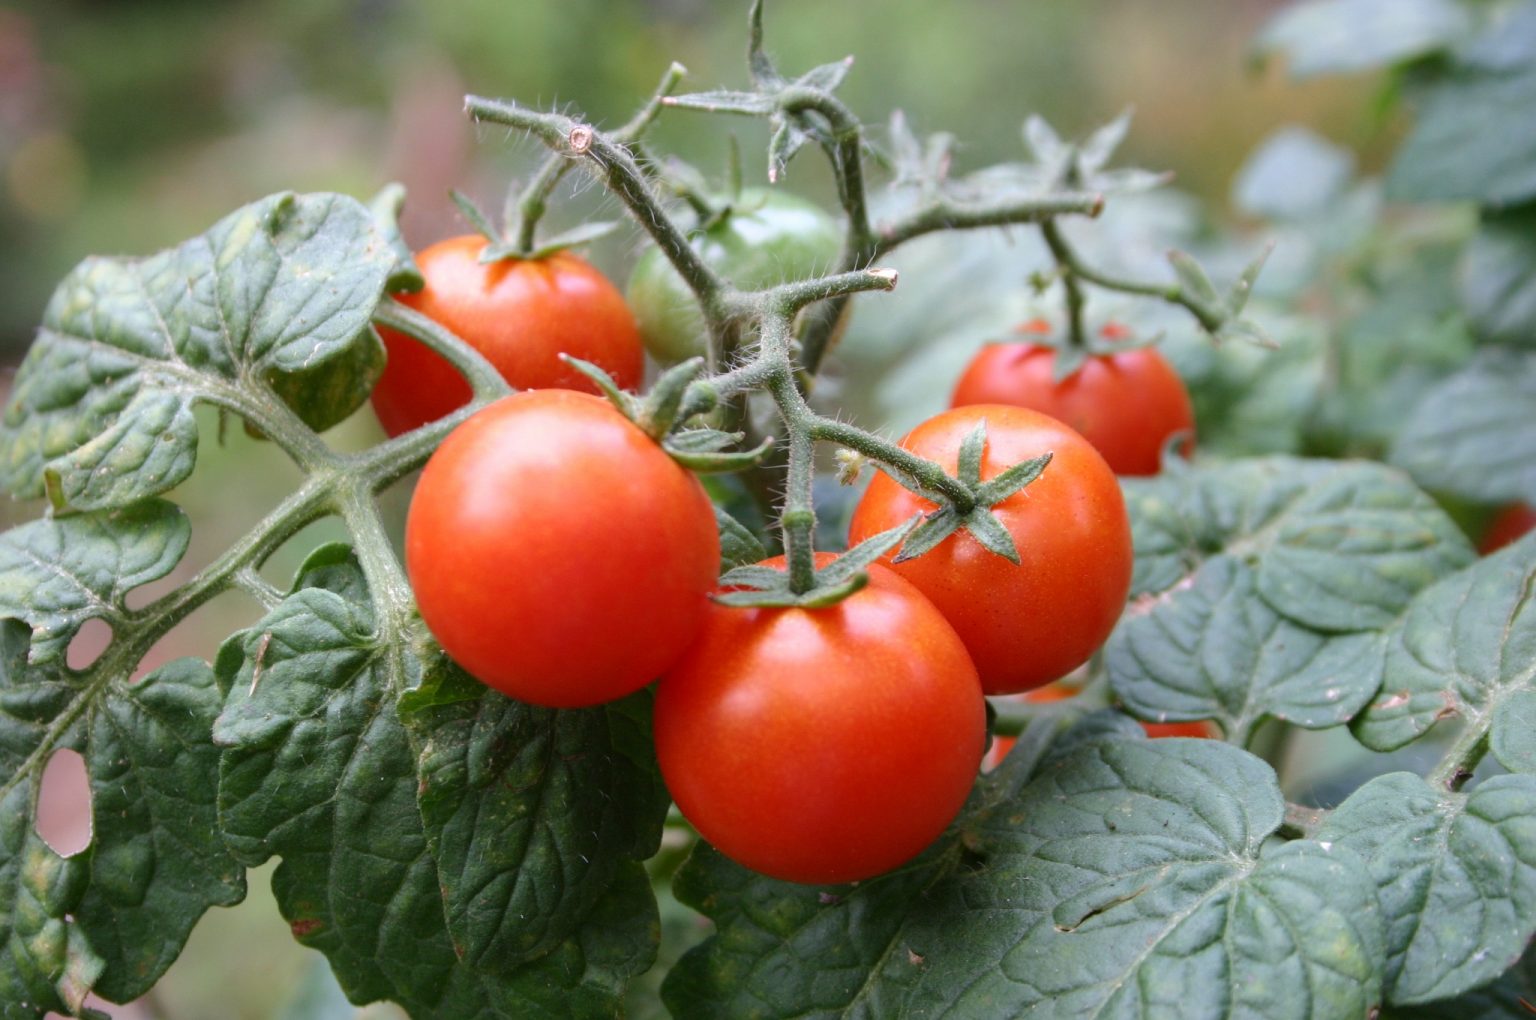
point(767, 238)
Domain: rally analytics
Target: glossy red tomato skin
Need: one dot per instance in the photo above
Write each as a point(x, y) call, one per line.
point(823, 745)
point(557, 553)
point(1507, 527)
point(1029, 624)
point(521, 314)
point(1127, 404)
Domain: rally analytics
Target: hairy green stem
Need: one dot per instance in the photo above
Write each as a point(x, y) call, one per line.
point(845, 150)
point(615, 166)
point(928, 475)
point(1072, 264)
point(532, 202)
point(1076, 335)
point(482, 376)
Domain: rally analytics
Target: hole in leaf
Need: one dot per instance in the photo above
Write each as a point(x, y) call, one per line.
point(89, 642)
point(64, 803)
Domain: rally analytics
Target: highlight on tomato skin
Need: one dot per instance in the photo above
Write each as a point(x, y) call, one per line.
point(557, 552)
point(1061, 691)
point(522, 314)
point(1028, 624)
point(1508, 526)
point(1128, 404)
point(823, 745)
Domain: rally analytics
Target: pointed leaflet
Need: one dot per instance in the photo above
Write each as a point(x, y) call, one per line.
point(1466, 648)
point(738, 545)
point(1474, 435)
point(101, 413)
point(1456, 875)
point(1128, 879)
point(318, 770)
point(1217, 651)
point(56, 573)
point(156, 862)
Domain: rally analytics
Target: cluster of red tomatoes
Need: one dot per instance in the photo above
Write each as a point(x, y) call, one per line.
point(561, 556)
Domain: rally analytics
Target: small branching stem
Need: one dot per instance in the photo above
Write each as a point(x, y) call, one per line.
point(483, 378)
point(1072, 288)
point(533, 201)
point(1210, 317)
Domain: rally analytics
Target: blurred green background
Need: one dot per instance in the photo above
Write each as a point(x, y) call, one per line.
point(128, 125)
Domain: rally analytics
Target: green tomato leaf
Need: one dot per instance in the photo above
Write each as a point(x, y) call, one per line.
point(1337, 546)
point(1266, 587)
point(101, 411)
point(1498, 278)
point(1129, 878)
point(1465, 649)
point(1471, 138)
point(1344, 36)
point(319, 769)
point(48, 963)
point(386, 208)
point(529, 813)
point(156, 862)
point(56, 573)
point(1456, 876)
point(1474, 435)
point(1216, 650)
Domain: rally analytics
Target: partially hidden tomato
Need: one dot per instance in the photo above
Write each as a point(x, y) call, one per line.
point(1128, 404)
point(823, 745)
point(1060, 691)
point(522, 314)
point(1507, 527)
point(1026, 624)
point(557, 552)
point(766, 238)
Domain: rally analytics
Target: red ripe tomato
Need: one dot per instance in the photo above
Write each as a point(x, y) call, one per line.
point(823, 745)
point(521, 314)
point(557, 552)
point(1126, 404)
point(1507, 527)
point(1027, 624)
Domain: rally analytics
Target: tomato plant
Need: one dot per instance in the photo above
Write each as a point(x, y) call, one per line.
point(1296, 586)
point(752, 734)
point(521, 313)
point(762, 237)
point(1034, 621)
point(546, 519)
point(1129, 404)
